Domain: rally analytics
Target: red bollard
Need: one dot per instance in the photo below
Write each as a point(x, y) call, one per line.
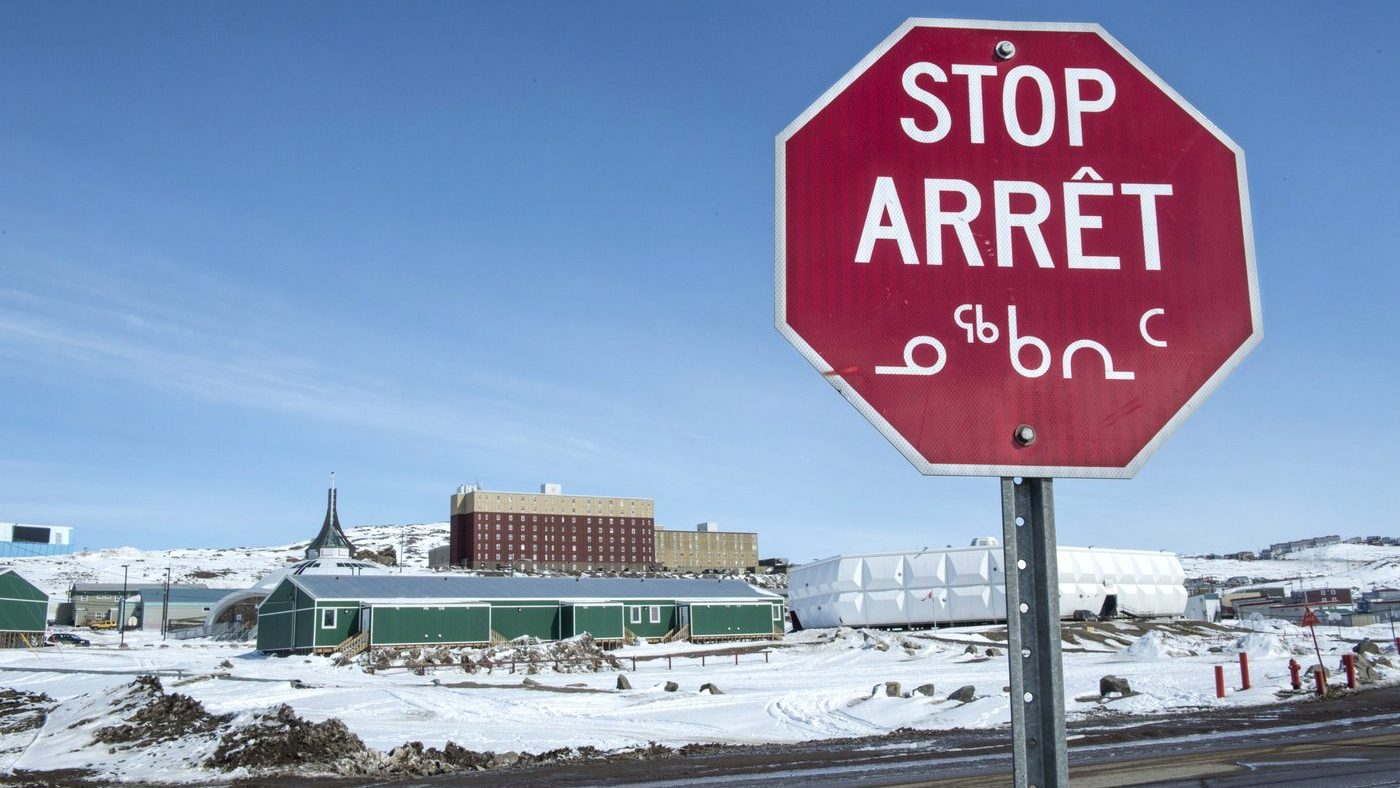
point(1295, 674)
point(1321, 682)
point(1349, 660)
point(1244, 670)
point(1219, 681)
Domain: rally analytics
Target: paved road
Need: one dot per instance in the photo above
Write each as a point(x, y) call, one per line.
point(1346, 742)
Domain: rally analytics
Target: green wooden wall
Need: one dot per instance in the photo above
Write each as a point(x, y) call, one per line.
point(290, 620)
point(345, 624)
point(23, 607)
point(275, 618)
point(538, 618)
point(710, 620)
point(404, 625)
point(644, 627)
point(601, 621)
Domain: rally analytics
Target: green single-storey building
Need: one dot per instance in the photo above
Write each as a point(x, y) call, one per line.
point(23, 611)
point(317, 613)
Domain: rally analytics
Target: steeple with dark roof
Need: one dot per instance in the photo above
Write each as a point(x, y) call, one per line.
point(331, 541)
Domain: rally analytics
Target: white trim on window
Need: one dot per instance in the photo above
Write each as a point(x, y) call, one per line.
point(328, 622)
point(636, 614)
point(656, 614)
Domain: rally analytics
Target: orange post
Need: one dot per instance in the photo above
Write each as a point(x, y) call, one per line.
point(1219, 681)
point(1321, 681)
point(1244, 670)
point(1349, 660)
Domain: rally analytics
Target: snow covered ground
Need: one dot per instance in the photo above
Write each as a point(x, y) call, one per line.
point(818, 684)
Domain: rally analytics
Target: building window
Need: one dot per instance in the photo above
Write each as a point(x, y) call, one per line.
point(328, 618)
point(778, 614)
point(656, 614)
point(636, 615)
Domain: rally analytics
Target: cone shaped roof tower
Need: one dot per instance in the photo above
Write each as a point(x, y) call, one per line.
point(331, 541)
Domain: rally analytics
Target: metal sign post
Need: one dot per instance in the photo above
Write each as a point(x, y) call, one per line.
point(1033, 633)
point(946, 317)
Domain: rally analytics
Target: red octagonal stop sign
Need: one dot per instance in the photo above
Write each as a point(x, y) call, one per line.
point(991, 226)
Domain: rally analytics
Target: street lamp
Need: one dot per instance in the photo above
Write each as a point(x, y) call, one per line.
point(121, 608)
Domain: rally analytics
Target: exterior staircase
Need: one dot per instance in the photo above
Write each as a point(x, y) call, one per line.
point(678, 634)
point(355, 645)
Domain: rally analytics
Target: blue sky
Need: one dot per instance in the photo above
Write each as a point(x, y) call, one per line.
point(423, 244)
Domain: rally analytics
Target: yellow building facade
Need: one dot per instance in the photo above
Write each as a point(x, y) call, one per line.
point(706, 548)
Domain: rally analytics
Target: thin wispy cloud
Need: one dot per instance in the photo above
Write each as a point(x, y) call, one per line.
point(256, 361)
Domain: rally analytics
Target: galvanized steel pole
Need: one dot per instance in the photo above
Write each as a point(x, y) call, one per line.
point(1033, 633)
point(121, 608)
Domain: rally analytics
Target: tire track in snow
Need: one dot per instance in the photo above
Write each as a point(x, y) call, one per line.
point(818, 715)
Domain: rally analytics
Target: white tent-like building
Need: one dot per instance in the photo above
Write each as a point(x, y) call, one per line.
point(330, 553)
point(932, 588)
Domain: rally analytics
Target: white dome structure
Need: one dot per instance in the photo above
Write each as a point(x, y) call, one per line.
point(330, 553)
point(933, 588)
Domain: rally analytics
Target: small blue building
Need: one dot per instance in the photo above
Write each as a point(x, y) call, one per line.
point(19, 540)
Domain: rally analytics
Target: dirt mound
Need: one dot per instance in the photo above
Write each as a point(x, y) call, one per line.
point(23, 711)
point(281, 740)
point(581, 654)
point(415, 759)
point(157, 716)
point(528, 655)
point(386, 556)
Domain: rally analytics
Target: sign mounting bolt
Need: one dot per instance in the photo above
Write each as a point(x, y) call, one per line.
point(1005, 50)
point(1025, 435)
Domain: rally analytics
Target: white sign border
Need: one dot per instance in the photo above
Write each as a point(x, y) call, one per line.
point(891, 434)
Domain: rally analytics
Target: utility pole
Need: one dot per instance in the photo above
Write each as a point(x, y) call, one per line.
point(165, 606)
point(121, 608)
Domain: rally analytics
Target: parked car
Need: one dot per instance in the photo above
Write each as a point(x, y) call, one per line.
point(67, 639)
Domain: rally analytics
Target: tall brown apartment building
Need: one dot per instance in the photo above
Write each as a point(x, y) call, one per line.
point(550, 530)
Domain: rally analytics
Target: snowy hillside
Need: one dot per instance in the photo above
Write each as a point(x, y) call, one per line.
point(1345, 565)
point(1339, 565)
point(230, 567)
